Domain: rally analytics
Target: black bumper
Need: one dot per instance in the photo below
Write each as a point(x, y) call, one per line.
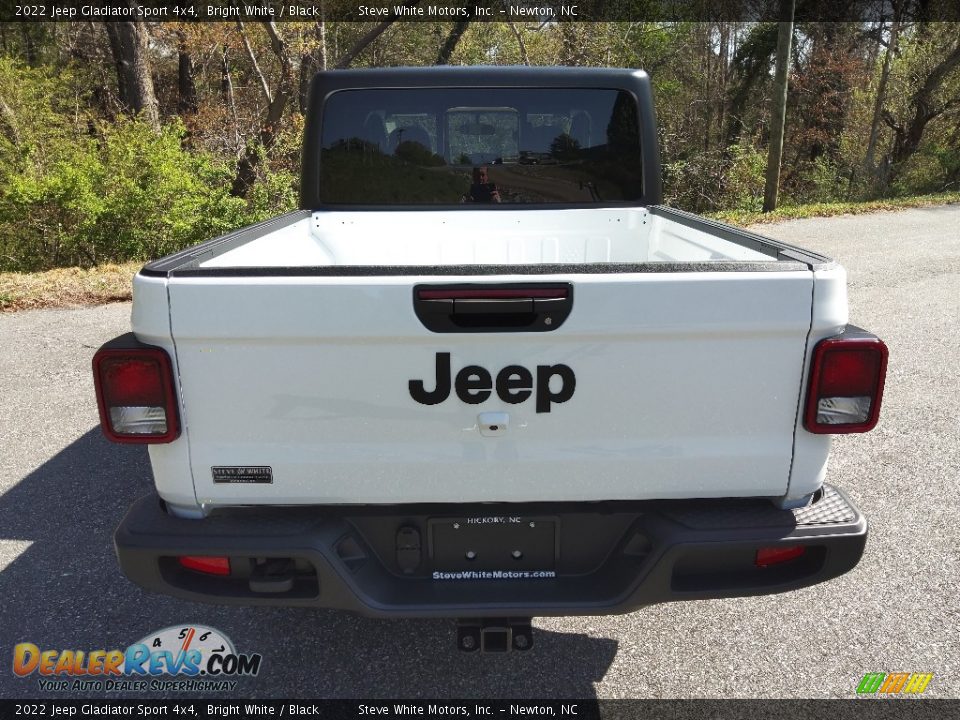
point(409, 561)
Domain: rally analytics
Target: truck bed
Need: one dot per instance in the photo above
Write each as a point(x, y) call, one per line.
point(625, 236)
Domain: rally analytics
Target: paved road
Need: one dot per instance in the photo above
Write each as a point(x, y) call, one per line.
point(63, 489)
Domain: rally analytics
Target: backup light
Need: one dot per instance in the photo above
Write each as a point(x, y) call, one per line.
point(846, 385)
point(135, 395)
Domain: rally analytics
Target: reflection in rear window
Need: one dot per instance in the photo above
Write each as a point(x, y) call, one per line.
point(439, 146)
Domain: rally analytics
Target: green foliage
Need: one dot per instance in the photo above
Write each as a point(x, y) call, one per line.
point(745, 178)
point(128, 193)
point(717, 180)
point(277, 187)
point(82, 193)
point(275, 192)
point(817, 181)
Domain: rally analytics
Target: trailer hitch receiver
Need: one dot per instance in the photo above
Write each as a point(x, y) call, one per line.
point(494, 635)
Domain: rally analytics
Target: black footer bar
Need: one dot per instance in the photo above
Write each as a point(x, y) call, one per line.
point(860, 708)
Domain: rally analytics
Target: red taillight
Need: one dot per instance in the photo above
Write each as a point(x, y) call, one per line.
point(135, 395)
point(846, 385)
point(209, 564)
point(776, 555)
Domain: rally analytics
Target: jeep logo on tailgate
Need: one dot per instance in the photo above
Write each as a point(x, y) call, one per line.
point(474, 384)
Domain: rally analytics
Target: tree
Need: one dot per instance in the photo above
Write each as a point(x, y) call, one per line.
point(882, 90)
point(129, 42)
point(926, 104)
point(459, 28)
point(276, 104)
point(751, 62)
point(358, 47)
point(186, 87)
point(779, 106)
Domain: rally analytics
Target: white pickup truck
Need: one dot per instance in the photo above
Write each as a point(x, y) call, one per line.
point(483, 373)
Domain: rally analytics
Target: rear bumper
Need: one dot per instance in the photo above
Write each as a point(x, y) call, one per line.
point(606, 558)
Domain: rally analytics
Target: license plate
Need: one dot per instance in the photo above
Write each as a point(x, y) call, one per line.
point(493, 543)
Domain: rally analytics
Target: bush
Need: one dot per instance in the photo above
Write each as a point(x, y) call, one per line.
point(934, 168)
point(131, 193)
point(816, 181)
point(74, 191)
point(745, 179)
point(709, 182)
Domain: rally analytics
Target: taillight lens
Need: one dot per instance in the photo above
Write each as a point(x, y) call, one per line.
point(209, 564)
point(846, 385)
point(135, 395)
point(778, 555)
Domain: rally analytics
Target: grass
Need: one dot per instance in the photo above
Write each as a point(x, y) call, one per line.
point(744, 218)
point(72, 287)
point(67, 287)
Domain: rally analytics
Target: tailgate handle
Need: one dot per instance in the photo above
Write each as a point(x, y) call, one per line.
point(479, 306)
point(493, 308)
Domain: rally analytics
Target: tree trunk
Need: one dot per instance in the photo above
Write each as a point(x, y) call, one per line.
point(568, 41)
point(724, 76)
point(459, 28)
point(778, 111)
point(129, 43)
point(186, 87)
point(29, 44)
point(312, 61)
point(322, 34)
point(308, 68)
point(520, 43)
point(752, 61)
point(117, 51)
point(247, 166)
point(868, 162)
point(226, 89)
point(709, 67)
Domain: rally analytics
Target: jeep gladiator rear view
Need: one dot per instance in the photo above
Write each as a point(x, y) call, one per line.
point(482, 373)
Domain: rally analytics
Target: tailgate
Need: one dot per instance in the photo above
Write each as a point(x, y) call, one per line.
point(302, 390)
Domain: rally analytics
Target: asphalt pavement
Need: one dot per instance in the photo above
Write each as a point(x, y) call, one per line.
point(63, 489)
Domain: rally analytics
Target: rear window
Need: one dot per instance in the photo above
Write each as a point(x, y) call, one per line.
point(480, 146)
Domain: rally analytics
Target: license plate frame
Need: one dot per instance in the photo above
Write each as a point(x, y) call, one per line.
point(494, 541)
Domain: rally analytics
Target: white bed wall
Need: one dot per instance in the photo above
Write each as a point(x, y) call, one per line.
point(670, 241)
point(466, 237)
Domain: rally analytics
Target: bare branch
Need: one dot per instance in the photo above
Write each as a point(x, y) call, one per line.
point(251, 159)
point(520, 42)
point(276, 43)
point(253, 61)
point(284, 86)
point(226, 86)
point(361, 44)
point(890, 121)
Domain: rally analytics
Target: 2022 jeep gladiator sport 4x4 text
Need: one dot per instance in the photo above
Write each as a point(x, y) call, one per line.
point(482, 373)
